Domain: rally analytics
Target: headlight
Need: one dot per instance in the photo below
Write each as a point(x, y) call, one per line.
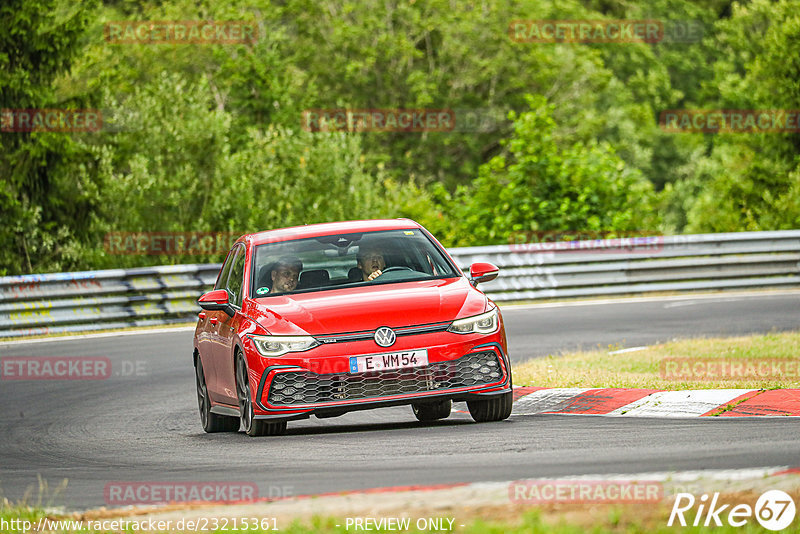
point(485, 323)
point(279, 345)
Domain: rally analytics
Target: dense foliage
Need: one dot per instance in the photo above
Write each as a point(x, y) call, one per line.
point(209, 137)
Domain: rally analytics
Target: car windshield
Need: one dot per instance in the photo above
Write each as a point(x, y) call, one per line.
point(347, 260)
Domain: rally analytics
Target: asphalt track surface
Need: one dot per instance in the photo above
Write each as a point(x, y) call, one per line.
point(142, 424)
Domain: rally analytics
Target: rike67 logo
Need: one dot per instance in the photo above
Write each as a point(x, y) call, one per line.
point(774, 510)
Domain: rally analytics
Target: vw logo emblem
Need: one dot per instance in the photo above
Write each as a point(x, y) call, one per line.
point(385, 336)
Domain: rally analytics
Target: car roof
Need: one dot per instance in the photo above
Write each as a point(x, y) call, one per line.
point(333, 228)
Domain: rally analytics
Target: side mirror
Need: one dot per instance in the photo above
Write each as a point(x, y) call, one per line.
point(482, 272)
point(216, 300)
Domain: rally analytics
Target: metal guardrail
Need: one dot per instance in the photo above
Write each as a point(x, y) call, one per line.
point(94, 300)
point(116, 298)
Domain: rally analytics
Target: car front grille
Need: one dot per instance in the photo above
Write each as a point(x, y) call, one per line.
point(304, 387)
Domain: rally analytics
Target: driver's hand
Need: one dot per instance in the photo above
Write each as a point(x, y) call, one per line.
point(374, 275)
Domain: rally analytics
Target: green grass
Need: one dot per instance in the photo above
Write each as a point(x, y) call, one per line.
point(643, 368)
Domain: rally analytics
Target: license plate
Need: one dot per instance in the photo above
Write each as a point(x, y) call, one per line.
point(390, 360)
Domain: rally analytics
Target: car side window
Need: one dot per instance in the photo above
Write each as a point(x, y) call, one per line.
point(236, 279)
point(226, 269)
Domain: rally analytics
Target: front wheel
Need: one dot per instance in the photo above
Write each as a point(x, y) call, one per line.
point(432, 411)
point(211, 422)
point(493, 409)
point(250, 425)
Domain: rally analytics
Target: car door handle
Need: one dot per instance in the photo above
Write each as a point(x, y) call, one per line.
point(213, 320)
point(202, 315)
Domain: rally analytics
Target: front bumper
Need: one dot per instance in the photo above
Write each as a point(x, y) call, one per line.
point(293, 391)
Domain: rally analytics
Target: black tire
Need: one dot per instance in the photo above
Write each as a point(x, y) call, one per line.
point(211, 422)
point(431, 411)
point(493, 409)
point(250, 425)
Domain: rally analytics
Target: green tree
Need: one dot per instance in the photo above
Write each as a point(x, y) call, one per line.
point(539, 185)
point(47, 191)
point(367, 54)
point(172, 166)
point(754, 180)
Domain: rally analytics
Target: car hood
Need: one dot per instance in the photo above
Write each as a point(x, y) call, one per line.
point(366, 308)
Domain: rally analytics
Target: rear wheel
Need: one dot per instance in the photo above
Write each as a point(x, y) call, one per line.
point(432, 411)
point(250, 425)
point(493, 409)
point(211, 422)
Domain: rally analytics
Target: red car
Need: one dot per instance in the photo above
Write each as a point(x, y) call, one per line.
point(330, 318)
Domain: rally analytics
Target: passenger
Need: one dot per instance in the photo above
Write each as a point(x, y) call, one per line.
point(285, 274)
point(370, 261)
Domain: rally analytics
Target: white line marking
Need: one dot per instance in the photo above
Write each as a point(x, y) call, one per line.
point(696, 302)
point(687, 403)
point(631, 349)
point(669, 477)
point(746, 473)
point(160, 330)
point(504, 307)
point(634, 300)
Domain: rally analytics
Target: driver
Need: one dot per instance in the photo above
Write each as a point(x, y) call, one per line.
point(370, 261)
point(285, 274)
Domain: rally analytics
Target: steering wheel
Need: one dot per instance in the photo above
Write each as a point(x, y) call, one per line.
point(397, 268)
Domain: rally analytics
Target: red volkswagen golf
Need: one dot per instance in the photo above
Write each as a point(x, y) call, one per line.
point(326, 319)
